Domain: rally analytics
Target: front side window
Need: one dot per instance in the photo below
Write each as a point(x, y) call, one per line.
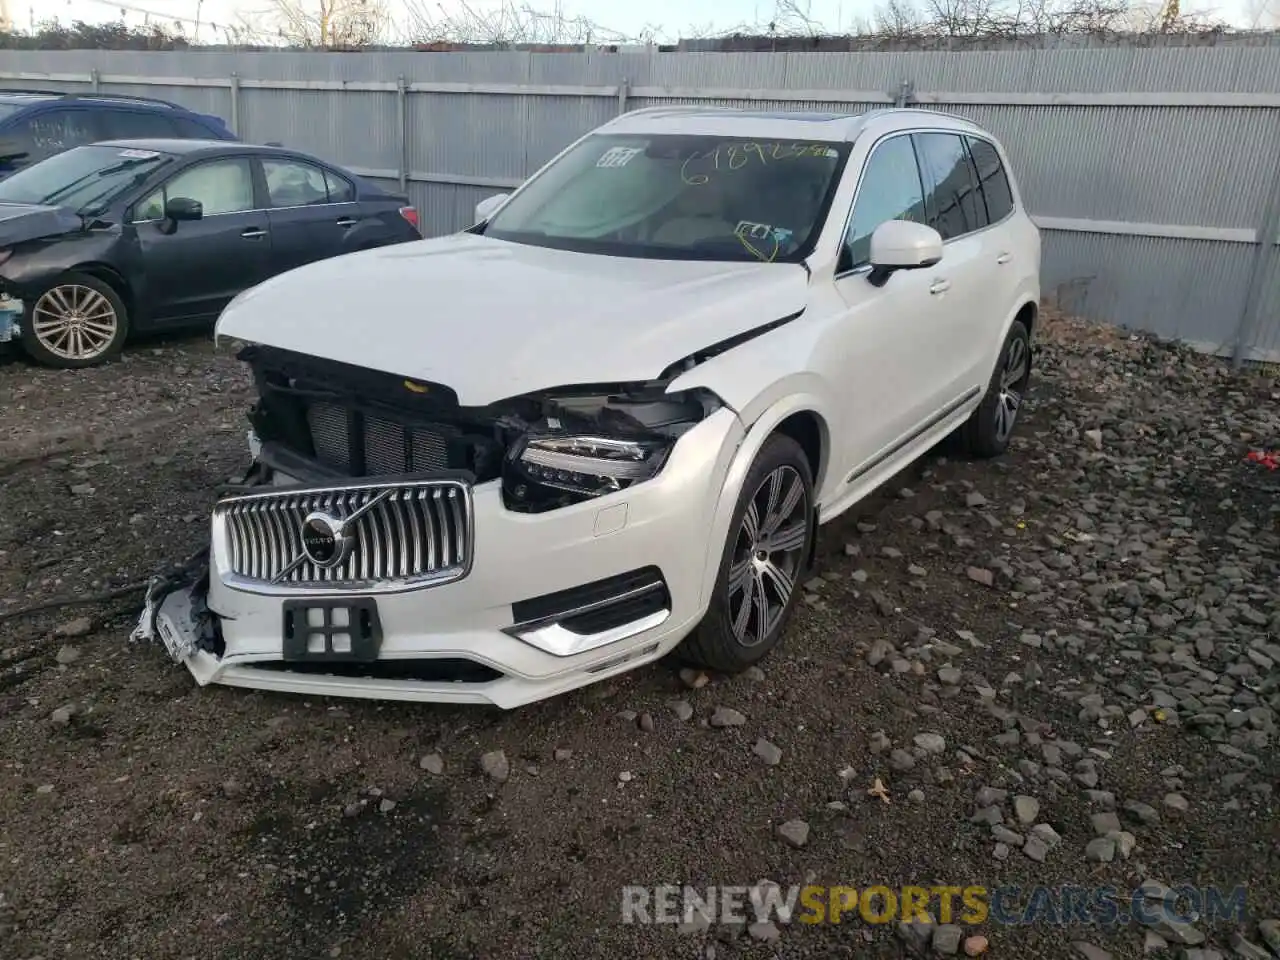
point(32, 139)
point(678, 197)
point(84, 179)
point(221, 186)
point(889, 190)
point(951, 189)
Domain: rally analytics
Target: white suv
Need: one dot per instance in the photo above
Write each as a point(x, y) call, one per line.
point(607, 420)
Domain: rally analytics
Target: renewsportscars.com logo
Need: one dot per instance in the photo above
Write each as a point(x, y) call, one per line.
point(1148, 905)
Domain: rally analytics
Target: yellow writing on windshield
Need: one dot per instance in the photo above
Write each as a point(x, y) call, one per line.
point(699, 167)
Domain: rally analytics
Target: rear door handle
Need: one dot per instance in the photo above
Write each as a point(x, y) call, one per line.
point(1004, 258)
point(347, 222)
point(939, 286)
point(253, 233)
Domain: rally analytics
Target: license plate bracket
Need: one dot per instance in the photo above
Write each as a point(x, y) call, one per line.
point(335, 631)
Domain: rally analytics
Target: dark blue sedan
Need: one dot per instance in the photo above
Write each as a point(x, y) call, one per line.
point(139, 235)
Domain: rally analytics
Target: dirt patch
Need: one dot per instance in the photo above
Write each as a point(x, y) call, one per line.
point(1126, 644)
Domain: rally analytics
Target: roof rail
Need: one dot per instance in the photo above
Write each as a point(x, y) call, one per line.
point(930, 112)
point(90, 95)
point(675, 108)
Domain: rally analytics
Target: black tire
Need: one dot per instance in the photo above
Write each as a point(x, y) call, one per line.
point(105, 321)
point(716, 644)
point(989, 429)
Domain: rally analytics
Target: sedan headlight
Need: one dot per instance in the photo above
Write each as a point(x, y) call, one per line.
point(580, 467)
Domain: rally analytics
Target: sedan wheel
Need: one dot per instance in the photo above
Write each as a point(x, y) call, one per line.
point(74, 322)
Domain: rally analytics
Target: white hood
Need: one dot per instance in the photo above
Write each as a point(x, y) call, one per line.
point(493, 320)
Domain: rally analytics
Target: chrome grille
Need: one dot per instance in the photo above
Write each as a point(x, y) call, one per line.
point(409, 532)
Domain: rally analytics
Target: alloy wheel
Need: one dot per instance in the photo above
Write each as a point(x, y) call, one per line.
point(768, 555)
point(74, 322)
point(1013, 383)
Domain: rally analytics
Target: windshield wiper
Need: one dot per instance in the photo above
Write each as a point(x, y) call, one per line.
point(95, 204)
point(105, 171)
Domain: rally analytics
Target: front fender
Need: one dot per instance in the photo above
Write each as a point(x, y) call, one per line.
point(748, 448)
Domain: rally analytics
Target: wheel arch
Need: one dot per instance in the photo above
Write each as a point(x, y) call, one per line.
point(1028, 313)
point(112, 278)
point(798, 416)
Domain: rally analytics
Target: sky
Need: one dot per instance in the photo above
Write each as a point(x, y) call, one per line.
point(674, 17)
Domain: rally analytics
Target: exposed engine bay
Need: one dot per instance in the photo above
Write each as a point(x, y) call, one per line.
point(319, 419)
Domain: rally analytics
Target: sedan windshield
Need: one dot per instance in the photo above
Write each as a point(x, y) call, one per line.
point(85, 179)
point(678, 197)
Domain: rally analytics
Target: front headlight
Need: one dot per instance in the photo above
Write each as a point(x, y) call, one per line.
point(584, 444)
point(579, 467)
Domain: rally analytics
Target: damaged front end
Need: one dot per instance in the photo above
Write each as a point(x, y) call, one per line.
point(318, 420)
point(175, 611)
point(363, 491)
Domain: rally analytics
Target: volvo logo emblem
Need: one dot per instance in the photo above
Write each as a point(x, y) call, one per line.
point(326, 542)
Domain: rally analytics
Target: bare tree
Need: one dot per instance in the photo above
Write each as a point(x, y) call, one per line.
point(794, 18)
point(900, 19)
point(509, 24)
point(317, 23)
point(1024, 18)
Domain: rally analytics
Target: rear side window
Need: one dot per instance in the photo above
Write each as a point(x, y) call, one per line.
point(996, 191)
point(291, 183)
point(188, 129)
point(136, 125)
point(952, 198)
point(340, 188)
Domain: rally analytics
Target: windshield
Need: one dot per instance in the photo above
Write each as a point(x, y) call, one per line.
point(85, 179)
point(678, 197)
point(9, 108)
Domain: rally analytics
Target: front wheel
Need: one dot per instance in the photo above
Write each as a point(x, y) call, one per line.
point(764, 558)
point(75, 321)
point(989, 429)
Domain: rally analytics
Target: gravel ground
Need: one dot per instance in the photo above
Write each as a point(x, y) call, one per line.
point(1060, 667)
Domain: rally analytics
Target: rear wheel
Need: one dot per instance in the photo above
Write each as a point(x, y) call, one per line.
point(75, 321)
point(764, 559)
point(990, 428)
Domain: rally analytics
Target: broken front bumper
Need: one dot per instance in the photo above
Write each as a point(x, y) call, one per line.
point(550, 601)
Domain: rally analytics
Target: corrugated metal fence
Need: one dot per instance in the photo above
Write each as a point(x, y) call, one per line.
point(1154, 172)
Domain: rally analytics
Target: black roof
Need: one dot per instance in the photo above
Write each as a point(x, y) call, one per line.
point(26, 96)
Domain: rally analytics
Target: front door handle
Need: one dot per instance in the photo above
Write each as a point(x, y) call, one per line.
point(1004, 258)
point(253, 233)
point(939, 286)
point(347, 222)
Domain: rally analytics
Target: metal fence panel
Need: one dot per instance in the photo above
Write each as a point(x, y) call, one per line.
point(1151, 169)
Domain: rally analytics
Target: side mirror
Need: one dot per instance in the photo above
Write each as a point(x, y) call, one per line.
point(902, 245)
point(183, 208)
point(489, 206)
